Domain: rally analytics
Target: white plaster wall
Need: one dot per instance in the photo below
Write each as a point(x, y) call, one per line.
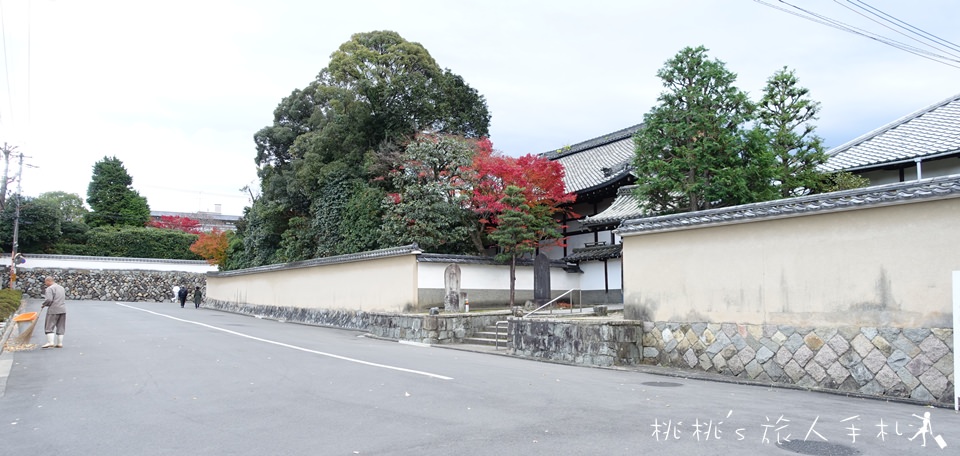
point(107, 263)
point(493, 277)
point(881, 266)
point(592, 277)
point(379, 284)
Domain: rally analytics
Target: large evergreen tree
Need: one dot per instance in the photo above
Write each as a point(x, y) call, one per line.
point(334, 139)
point(786, 114)
point(693, 151)
point(112, 199)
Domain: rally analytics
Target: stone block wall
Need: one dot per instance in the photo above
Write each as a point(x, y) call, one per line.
point(895, 362)
point(108, 285)
point(595, 343)
point(430, 329)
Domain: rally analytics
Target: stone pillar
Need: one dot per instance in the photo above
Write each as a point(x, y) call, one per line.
point(541, 280)
point(451, 289)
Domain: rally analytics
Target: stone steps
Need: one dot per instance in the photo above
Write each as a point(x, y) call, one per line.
point(488, 336)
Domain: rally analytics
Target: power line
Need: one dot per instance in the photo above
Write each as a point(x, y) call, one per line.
point(948, 51)
point(833, 23)
point(858, 31)
point(892, 19)
point(6, 65)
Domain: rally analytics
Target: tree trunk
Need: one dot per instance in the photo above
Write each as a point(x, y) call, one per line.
point(513, 277)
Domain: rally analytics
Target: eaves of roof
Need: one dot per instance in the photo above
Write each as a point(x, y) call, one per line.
point(626, 206)
point(595, 253)
point(929, 133)
point(860, 198)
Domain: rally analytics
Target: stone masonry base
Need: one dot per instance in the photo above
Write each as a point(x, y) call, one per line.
point(914, 363)
point(430, 329)
point(894, 362)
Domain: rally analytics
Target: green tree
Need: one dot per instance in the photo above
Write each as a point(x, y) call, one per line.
point(112, 199)
point(842, 180)
point(339, 135)
point(70, 205)
point(786, 113)
point(361, 223)
point(431, 204)
point(39, 225)
point(693, 152)
point(520, 228)
point(259, 232)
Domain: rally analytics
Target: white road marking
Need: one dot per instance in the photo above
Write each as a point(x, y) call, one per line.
point(331, 355)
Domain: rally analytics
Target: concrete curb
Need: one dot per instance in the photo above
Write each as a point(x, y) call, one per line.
point(6, 358)
point(8, 329)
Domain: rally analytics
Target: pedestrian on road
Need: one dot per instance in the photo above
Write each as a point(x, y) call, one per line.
point(197, 297)
point(182, 294)
point(56, 323)
point(176, 293)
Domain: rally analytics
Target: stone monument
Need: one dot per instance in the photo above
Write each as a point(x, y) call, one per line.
point(451, 289)
point(541, 280)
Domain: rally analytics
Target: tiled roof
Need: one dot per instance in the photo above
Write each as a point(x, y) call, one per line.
point(625, 207)
point(204, 215)
point(593, 163)
point(411, 249)
point(860, 198)
point(928, 133)
point(599, 252)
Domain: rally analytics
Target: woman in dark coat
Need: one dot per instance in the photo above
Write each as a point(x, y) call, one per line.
point(197, 297)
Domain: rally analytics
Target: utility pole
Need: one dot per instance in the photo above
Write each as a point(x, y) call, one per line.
point(16, 230)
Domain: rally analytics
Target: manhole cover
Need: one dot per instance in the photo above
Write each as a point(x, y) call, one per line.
point(662, 384)
point(818, 448)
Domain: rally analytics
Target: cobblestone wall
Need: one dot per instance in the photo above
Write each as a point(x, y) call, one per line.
point(430, 329)
point(109, 285)
point(897, 362)
point(595, 343)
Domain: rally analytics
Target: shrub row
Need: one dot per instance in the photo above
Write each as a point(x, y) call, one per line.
point(9, 302)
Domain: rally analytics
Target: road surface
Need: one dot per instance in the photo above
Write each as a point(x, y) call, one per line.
point(155, 379)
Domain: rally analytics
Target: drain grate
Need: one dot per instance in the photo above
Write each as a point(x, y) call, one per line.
point(819, 448)
point(662, 384)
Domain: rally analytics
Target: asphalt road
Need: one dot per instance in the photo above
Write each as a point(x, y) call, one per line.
point(155, 379)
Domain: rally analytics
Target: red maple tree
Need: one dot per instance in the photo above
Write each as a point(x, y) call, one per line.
point(176, 222)
point(540, 179)
point(212, 247)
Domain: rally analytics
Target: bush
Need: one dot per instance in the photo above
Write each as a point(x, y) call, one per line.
point(140, 243)
point(9, 302)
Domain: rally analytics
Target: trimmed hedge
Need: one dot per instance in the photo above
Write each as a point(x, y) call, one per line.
point(134, 243)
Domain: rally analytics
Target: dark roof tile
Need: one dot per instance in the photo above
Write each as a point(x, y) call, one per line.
point(899, 193)
point(931, 132)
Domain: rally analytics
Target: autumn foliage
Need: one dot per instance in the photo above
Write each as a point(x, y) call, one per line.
point(176, 222)
point(212, 247)
point(539, 179)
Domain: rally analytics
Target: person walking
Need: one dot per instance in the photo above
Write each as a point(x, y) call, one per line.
point(56, 322)
point(182, 295)
point(197, 297)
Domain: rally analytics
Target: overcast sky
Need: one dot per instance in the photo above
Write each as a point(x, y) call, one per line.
point(176, 89)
